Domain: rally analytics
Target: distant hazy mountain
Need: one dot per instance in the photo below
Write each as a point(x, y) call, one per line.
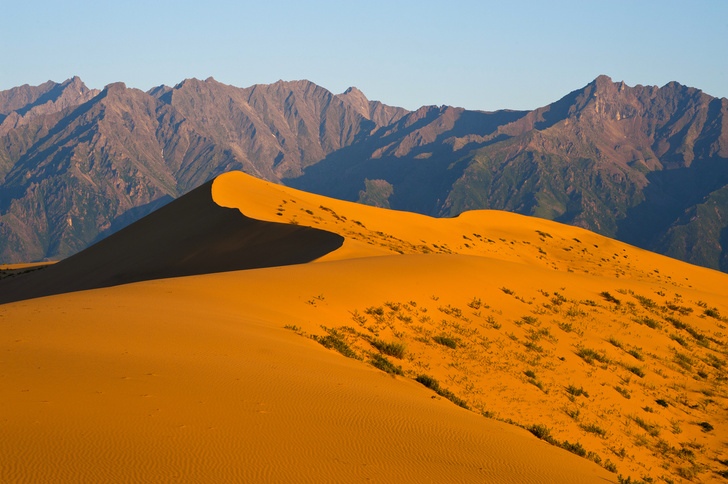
point(645, 165)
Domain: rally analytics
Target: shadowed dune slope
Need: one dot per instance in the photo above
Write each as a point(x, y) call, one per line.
point(192, 235)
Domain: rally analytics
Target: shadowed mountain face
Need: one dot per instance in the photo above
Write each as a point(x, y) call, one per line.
point(191, 235)
point(645, 165)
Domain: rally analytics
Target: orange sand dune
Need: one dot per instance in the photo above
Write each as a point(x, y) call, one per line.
point(145, 383)
point(609, 351)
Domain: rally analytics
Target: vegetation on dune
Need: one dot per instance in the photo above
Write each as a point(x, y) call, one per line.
point(598, 337)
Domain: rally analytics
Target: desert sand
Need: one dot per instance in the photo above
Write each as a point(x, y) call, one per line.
point(614, 354)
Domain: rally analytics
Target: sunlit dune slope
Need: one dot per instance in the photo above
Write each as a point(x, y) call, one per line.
point(612, 353)
point(178, 381)
point(191, 235)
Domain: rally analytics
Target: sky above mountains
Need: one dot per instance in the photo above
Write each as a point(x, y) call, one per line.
point(475, 54)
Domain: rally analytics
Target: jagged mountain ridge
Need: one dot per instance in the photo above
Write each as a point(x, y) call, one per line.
point(81, 172)
point(643, 164)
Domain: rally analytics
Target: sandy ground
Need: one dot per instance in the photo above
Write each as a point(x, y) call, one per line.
point(219, 377)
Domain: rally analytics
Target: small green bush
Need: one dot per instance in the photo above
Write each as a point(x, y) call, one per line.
point(334, 341)
point(594, 429)
point(434, 385)
point(712, 313)
point(575, 448)
point(542, 432)
point(428, 381)
point(382, 363)
point(446, 341)
point(393, 348)
point(649, 322)
point(636, 370)
point(624, 392)
point(590, 356)
point(572, 390)
point(609, 298)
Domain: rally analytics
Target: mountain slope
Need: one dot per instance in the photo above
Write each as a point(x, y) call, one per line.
point(74, 175)
point(627, 162)
point(637, 163)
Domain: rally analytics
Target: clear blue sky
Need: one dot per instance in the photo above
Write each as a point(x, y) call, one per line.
point(475, 54)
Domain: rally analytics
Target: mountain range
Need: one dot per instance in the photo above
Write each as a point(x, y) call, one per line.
point(645, 165)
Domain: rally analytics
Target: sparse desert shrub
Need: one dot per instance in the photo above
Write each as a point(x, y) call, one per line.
point(636, 370)
point(688, 473)
point(453, 398)
point(358, 318)
point(683, 360)
point(615, 342)
point(574, 312)
point(594, 429)
point(533, 346)
point(566, 327)
point(590, 355)
point(661, 402)
point(476, 303)
point(334, 341)
point(681, 309)
point(528, 320)
point(529, 374)
point(675, 322)
point(649, 322)
point(609, 298)
point(542, 432)
point(624, 392)
point(679, 340)
point(575, 448)
point(507, 291)
point(446, 341)
point(393, 306)
point(635, 353)
point(705, 426)
point(494, 324)
point(382, 363)
point(292, 327)
point(375, 311)
point(577, 392)
point(573, 413)
point(558, 299)
point(712, 313)
point(651, 429)
point(428, 381)
point(451, 311)
point(434, 385)
point(538, 384)
point(646, 302)
point(715, 362)
point(393, 348)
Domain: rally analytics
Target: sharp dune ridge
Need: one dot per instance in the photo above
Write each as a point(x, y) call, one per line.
point(191, 235)
point(615, 354)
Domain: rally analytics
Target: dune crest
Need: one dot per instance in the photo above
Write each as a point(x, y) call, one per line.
point(191, 235)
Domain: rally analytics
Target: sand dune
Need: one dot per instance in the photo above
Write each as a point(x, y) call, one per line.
point(98, 387)
point(192, 235)
point(614, 353)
